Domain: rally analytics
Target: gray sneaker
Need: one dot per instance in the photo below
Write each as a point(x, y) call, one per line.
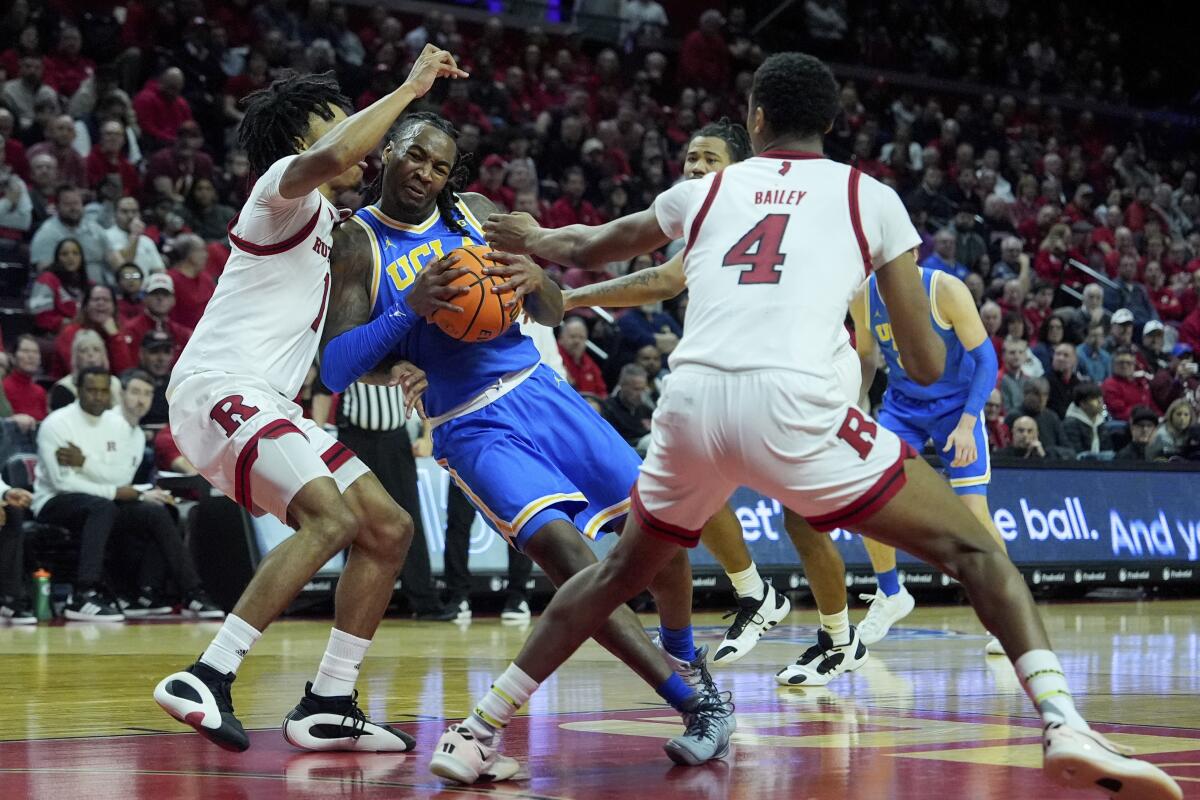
point(694, 673)
point(710, 722)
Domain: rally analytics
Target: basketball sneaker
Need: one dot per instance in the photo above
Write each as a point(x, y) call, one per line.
point(146, 604)
point(885, 611)
point(199, 696)
point(17, 611)
point(994, 648)
point(695, 672)
point(199, 605)
point(92, 605)
point(462, 609)
point(824, 661)
point(752, 619)
point(337, 723)
point(1086, 760)
point(709, 724)
point(516, 610)
point(462, 758)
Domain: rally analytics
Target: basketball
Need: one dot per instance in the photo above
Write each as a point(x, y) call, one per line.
point(483, 316)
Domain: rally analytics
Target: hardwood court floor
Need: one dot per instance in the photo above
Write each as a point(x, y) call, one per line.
point(929, 715)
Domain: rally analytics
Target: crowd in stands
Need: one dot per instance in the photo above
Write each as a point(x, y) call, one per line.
point(1077, 231)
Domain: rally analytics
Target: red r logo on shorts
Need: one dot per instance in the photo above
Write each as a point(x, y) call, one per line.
point(230, 412)
point(859, 432)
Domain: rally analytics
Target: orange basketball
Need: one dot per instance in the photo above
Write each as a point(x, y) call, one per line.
point(483, 314)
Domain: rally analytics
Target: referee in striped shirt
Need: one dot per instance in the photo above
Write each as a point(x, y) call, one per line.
point(370, 421)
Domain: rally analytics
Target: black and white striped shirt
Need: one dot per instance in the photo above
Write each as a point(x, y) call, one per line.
point(372, 408)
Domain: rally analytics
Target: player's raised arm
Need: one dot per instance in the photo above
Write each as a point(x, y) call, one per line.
point(584, 246)
point(955, 305)
point(349, 142)
point(661, 282)
point(864, 342)
point(908, 307)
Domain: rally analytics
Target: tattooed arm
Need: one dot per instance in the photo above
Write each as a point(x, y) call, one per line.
point(637, 288)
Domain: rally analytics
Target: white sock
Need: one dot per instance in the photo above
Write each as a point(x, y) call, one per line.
point(339, 667)
point(230, 645)
point(510, 691)
point(748, 583)
point(837, 626)
point(1042, 678)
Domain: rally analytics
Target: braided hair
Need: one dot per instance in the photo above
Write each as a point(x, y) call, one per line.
point(458, 171)
point(277, 117)
point(735, 137)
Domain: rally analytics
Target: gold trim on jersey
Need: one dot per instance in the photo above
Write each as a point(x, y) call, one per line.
point(469, 217)
point(403, 226)
point(933, 306)
point(603, 517)
point(376, 259)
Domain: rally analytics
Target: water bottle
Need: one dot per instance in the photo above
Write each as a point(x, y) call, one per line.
point(41, 590)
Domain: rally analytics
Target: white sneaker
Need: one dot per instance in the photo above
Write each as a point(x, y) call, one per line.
point(1086, 760)
point(994, 648)
point(753, 619)
point(516, 612)
point(461, 758)
point(464, 611)
point(885, 611)
point(823, 662)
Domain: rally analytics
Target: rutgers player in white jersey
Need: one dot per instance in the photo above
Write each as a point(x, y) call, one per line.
point(233, 414)
point(775, 248)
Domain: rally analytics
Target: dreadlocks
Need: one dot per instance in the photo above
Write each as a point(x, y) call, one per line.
point(733, 135)
point(277, 116)
point(458, 172)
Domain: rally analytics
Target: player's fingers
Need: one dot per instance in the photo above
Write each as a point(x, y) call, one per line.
point(421, 408)
point(501, 271)
point(949, 444)
point(441, 305)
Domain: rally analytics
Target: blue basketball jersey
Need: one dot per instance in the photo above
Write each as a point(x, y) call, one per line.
point(457, 371)
point(956, 377)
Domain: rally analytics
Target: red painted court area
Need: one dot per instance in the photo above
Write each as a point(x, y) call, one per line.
point(803, 752)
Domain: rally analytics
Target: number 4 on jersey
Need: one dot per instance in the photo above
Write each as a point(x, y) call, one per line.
point(759, 248)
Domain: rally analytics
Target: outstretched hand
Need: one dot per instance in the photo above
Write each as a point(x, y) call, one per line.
point(433, 63)
point(511, 233)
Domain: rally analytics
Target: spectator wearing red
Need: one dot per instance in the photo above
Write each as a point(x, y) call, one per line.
point(1165, 301)
point(60, 136)
point(129, 293)
point(459, 109)
point(491, 182)
point(1178, 379)
point(171, 171)
point(20, 386)
point(108, 158)
point(98, 313)
point(582, 370)
point(167, 456)
point(1126, 388)
point(1081, 206)
point(998, 432)
point(1051, 260)
point(571, 208)
point(158, 300)
point(193, 285)
point(66, 68)
point(57, 292)
point(1137, 212)
point(12, 150)
point(1039, 311)
point(704, 56)
point(160, 107)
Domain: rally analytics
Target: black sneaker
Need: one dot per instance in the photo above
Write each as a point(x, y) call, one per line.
point(199, 696)
point(445, 613)
point(752, 618)
point(516, 610)
point(17, 611)
point(92, 605)
point(147, 604)
point(199, 605)
point(337, 723)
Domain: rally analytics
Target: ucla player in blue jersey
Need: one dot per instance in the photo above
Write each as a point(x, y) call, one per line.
point(527, 450)
point(950, 412)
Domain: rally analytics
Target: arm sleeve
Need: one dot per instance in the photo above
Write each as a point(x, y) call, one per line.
point(64, 480)
point(672, 206)
point(885, 221)
point(356, 352)
point(984, 379)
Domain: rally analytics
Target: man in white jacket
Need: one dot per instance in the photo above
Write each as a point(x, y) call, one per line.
point(87, 457)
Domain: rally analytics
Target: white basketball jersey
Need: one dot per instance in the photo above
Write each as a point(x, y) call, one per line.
point(266, 317)
point(775, 248)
